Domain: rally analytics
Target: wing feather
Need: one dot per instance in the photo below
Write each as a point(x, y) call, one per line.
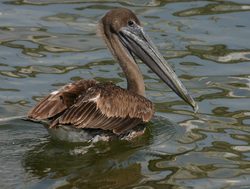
point(87, 104)
point(58, 101)
point(108, 107)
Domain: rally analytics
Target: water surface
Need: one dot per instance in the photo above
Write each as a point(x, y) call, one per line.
point(45, 44)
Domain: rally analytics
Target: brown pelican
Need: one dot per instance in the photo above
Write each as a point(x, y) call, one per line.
point(89, 104)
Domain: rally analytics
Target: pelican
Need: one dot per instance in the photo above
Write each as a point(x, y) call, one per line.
point(88, 104)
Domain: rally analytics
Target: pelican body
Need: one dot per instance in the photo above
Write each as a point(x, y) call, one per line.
point(91, 105)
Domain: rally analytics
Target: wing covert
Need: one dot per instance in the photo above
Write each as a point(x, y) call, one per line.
point(58, 101)
point(107, 107)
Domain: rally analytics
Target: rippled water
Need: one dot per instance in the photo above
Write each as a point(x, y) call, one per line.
point(47, 43)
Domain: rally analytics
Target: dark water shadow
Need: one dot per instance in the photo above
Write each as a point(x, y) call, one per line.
point(112, 164)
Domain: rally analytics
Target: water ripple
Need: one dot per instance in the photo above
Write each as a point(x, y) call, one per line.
point(225, 7)
point(46, 44)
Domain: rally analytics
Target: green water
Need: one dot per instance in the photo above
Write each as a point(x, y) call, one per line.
point(45, 44)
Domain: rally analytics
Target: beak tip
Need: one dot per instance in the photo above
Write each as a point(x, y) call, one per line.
point(195, 107)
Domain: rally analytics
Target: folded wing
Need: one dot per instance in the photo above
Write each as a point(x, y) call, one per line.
point(92, 105)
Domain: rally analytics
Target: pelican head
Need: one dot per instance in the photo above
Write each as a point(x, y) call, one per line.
point(122, 26)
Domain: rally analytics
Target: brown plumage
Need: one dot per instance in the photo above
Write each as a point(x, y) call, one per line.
point(89, 104)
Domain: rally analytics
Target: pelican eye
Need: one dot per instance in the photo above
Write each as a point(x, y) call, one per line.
point(131, 23)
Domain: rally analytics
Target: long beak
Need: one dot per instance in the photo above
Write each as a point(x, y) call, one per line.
point(139, 44)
